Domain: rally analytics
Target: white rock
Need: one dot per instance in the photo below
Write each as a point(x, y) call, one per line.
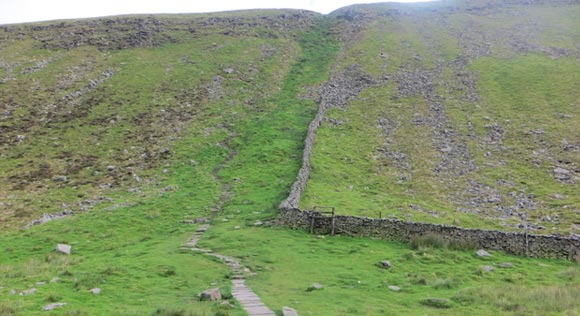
point(482, 253)
point(95, 291)
point(62, 248)
point(394, 288)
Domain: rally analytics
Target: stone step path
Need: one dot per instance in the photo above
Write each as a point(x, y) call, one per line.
point(243, 294)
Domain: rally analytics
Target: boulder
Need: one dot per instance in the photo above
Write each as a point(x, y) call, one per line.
point(64, 249)
point(287, 311)
point(210, 295)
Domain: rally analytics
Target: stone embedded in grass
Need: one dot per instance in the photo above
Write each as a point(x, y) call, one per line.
point(28, 292)
point(64, 249)
point(385, 264)
point(287, 311)
point(258, 223)
point(482, 253)
point(314, 287)
point(394, 288)
point(40, 283)
point(562, 174)
point(505, 265)
point(486, 268)
point(95, 291)
point(52, 306)
point(60, 179)
point(436, 302)
point(210, 295)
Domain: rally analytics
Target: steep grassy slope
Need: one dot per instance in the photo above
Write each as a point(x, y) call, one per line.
point(473, 120)
point(172, 118)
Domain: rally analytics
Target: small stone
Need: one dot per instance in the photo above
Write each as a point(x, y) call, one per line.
point(229, 70)
point(54, 280)
point(28, 292)
point(12, 292)
point(482, 253)
point(314, 286)
point(557, 196)
point(561, 174)
point(210, 295)
point(394, 288)
point(505, 265)
point(385, 264)
point(95, 291)
point(60, 179)
point(237, 227)
point(64, 249)
point(287, 311)
point(40, 283)
point(486, 268)
point(110, 168)
point(52, 306)
point(258, 223)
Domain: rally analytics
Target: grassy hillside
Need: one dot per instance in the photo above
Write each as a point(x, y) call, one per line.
point(474, 121)
point(132, 128)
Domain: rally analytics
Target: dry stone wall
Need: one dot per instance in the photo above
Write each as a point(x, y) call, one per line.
point(514, 243)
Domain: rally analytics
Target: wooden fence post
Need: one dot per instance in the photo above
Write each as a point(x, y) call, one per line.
point(332, 224)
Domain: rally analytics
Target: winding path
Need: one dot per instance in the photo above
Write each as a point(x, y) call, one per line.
point(243, 294)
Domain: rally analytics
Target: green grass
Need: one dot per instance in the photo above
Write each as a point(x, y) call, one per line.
point(130, 246)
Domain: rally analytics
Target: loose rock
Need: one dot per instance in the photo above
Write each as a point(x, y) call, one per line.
point(486, 268)
point(505, 265)
point(95, 291)
point(394, 288)
point(314, 286)
point(385, 264)
point(64, 249)
point(210, 295)
point(482, 253)
point(287, 311)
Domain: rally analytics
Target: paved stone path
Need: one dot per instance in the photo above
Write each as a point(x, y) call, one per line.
point(243, 294)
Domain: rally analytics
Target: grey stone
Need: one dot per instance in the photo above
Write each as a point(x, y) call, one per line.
point(258, 223)
point(52, 306)
point(287, 311)
point(60, 179)
point(95, 291)
point(562, 174)
point(28, 292)
point(314, 287)
point(385, 264)
point(482, 253)
point(64, 249)
point(210, 295)
point(40, 283)
point(486, 268)
point(505, 265)
point(12, 292)
point(394, 288)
